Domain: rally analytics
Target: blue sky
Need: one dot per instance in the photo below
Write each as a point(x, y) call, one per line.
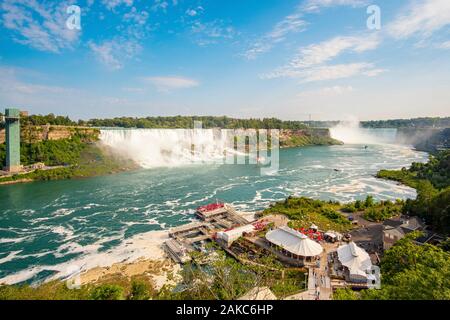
point(243, 58)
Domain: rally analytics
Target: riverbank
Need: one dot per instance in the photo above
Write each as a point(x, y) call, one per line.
point(432, 182)
point(94, 159)
point(78, 152)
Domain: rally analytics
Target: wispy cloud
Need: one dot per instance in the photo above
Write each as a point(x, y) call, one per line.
point(211, 32)
point(327, 72)
point(163, 5)
point(136, 16)
point(421, 18)
point(113, 4)
point(113, 52)
point(310, 64)
point(444, 45)
point(40, 25)
point(290, 24)
point(169, 83)
point(316, 5)
point(132, 30)
point(193, 12)
point(22, 93)
point(323, 52)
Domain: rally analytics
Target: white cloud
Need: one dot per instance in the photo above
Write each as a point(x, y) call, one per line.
point(169, 83)
point(290, 24)
point(139, 17)
point(194, 12)
point(211, 32)
point(422, 18)
point(316, 54)
point(316, 5)
point(39, 25)
point(326, 72)
point(310, 64)
point(444, 45)
point(112, 4)
point(130, 34)
point(160, 5)
point(113, 52)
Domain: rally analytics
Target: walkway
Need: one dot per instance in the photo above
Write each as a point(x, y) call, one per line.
point(319, 283)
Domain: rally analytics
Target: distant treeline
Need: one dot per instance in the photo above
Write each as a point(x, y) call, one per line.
point(39, 120)
point(409, 123)
point(226, 122)
point(166, 122)
point(188, 122)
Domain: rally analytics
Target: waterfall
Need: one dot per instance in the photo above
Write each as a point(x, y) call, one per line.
point(152, 148)
point(350, 132)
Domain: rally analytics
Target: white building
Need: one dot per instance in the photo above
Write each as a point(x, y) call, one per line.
point(356, 260)
point(232, 235)
point(294, 243)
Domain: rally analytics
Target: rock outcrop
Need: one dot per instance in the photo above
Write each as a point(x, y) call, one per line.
point(33, 134)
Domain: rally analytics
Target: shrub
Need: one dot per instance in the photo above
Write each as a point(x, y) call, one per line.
point(107, 292)
point(139, 291)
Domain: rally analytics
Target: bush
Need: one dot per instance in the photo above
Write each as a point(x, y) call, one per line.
point(139, 291)
point(334, 216)
point(108, 292)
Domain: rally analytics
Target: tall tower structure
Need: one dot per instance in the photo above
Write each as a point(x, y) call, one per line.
point(12, 129)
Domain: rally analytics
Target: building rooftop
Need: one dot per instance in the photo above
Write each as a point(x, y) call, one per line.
point(294, 242)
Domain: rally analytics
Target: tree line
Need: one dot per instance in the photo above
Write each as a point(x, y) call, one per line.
point(432, 182)
point(428, 122)
point(188, 122)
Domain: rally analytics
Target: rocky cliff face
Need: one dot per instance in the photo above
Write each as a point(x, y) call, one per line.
point(33, 134)
point(425, 139)
point(305, 137)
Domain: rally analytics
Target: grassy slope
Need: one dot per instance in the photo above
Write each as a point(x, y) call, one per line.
point(80, 158)
point(301, 141)
point(405, 177)
point(303, 212)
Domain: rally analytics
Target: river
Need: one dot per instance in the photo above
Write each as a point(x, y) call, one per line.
point(47, 226)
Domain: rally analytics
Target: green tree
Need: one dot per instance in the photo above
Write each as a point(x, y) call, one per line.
point(345, 294)
point(139, 291)
point(411, 271)
point(108, 292)
point(369, 202)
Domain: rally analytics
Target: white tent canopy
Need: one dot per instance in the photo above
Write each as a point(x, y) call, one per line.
point(294, 242)
point(356, 259)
